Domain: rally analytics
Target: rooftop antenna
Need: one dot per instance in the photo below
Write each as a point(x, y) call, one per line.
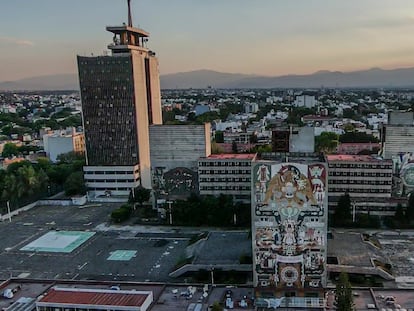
point(129, 14)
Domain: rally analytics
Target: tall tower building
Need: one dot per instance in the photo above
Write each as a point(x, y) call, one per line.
point(120, 98)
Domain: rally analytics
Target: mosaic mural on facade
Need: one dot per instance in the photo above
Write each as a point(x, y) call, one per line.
point(178, 181)
point(289, 225)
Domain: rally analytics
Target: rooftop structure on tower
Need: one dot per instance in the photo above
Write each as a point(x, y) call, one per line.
point(120, 98)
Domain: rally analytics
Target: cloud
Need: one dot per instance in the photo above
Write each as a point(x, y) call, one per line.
point(16, 41)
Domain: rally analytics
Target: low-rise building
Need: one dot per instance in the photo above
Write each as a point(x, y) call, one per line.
point(73, 299)
point(293, 139)
point(228, 174)
point(363, 177)
point(111, 183)
point(175, 150)
point(355, 148)
point(60, 142)
point(307, 101)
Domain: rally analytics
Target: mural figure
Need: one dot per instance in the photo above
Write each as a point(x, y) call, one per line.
point(290, 245)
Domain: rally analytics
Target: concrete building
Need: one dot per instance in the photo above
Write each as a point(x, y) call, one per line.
point(120, 99)
point(293, 139)
point(238, 137)
point(175, 150)
point(364, 178)
point(355, 148)
point(63, 141)
point(307, 101)
point(73, 299)
point(251, 107)
point(289, 230)
point(107, 182)
point(201, 109)
point(401, 118)
point(228, 174)
point(397, 137)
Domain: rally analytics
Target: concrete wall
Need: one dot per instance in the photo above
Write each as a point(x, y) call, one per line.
point(155, 91)
point(179, 145)
point(117, 180)
point(303, 140)
point(56, 145)
point(401, 118)
point(289, 223)
point(398, 139)
point(141, 113)
point(79, 201)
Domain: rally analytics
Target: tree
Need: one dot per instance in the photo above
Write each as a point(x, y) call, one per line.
point(10, 188)
point(342, 215)
point(253, 138)
point(219, 137)
point(410, 208)
point(70, 157)
point(343, 294)
point(349, 113)
point(122, 213)
point(357, 137)
point(75, 184)
point(27, 182)
point(326, 142)
point(216, 307)
point(234, 147)
point(400, 214)
point(216, 149)
point(10, 150)
point(139, 195)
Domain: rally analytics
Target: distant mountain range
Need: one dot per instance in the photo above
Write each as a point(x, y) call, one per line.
point(375, 77)
point(52, 82)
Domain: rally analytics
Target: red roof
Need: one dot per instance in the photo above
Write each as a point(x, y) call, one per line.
point(238, 156)
point(78, 296)
point(356, 158)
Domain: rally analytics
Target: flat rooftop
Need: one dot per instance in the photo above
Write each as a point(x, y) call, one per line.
point(232, 156)
point(98, 297)
point(354, 158)
point(298, 157)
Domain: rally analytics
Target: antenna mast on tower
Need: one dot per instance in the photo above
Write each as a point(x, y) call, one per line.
point(129, 14)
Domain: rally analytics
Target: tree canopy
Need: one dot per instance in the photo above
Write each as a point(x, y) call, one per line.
point(139, 195)
point(210, 211)
point(10, 150)
point(343, 294)
point(75, 184)
point(326, 142)
point(357, 137)
point(342, 215)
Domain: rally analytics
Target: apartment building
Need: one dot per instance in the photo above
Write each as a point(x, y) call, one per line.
point(227, 174)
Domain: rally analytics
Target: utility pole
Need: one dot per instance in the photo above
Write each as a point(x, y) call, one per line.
point(170, 210)
point(353, 211)
point(8, 210)
point(212, 276)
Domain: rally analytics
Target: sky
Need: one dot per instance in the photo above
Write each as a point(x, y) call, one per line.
point(263, 37)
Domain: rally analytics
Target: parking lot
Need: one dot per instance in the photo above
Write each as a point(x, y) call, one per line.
point(112, 253)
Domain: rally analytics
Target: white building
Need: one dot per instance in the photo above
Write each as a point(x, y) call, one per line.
point(110, 182)
point(251, 107)
point(307, 101)
point(60, 142)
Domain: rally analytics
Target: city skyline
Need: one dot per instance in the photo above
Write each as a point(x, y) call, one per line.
point(275, 38)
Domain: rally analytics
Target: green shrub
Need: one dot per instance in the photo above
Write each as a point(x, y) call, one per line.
point(121, 214)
